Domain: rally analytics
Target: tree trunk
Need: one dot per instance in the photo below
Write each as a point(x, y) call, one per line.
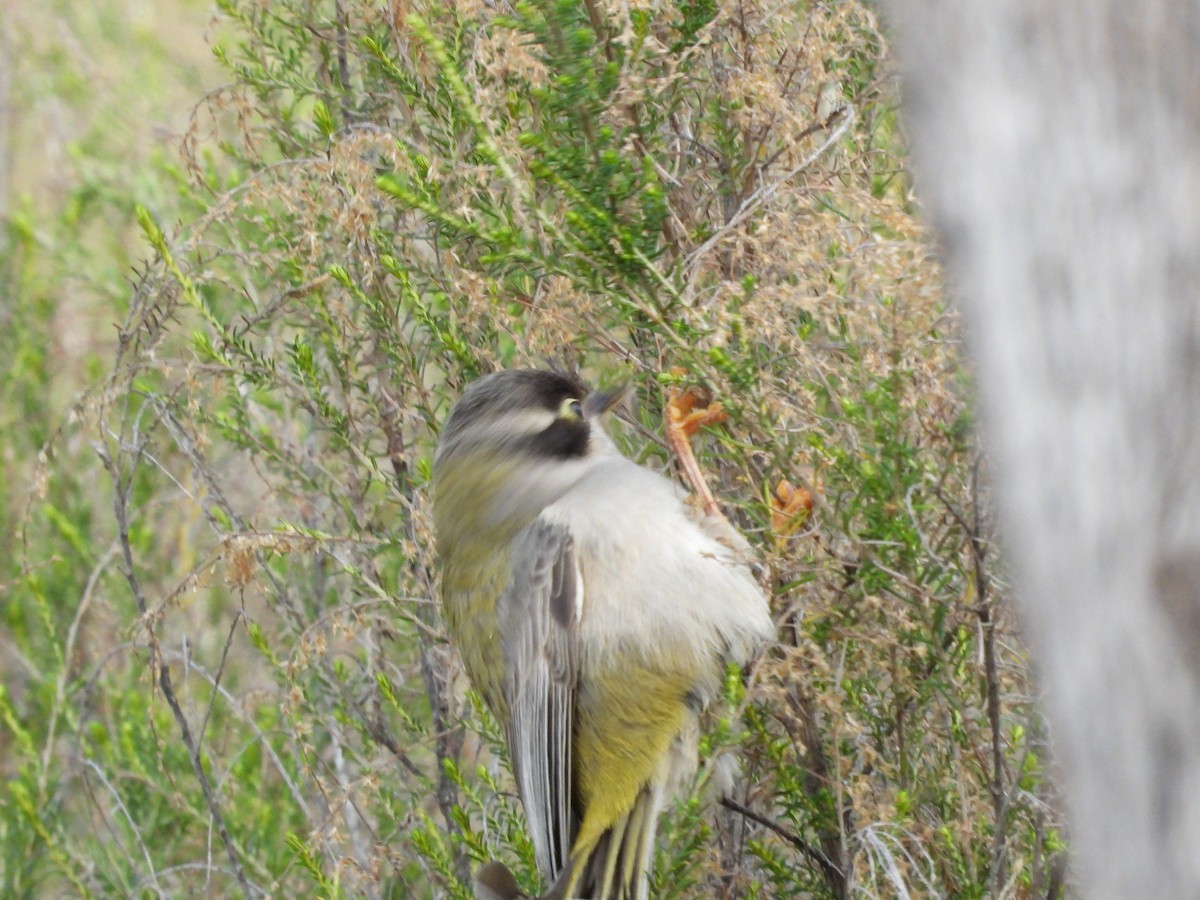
point(1057, 146)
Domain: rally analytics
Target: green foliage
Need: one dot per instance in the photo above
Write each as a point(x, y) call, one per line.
point(228, 668)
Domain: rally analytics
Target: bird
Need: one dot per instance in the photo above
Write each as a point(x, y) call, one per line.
point(595, 612)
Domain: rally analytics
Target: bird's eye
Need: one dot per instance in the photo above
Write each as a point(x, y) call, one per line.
point(571, 409)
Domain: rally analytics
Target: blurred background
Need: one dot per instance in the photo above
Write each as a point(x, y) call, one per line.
point(249, 255)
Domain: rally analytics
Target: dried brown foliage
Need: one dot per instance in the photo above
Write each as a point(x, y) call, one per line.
point(392, 199)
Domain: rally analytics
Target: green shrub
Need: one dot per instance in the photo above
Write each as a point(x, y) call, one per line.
point(385, 202)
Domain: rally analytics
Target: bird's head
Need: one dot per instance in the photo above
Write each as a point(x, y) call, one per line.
point(514, 442)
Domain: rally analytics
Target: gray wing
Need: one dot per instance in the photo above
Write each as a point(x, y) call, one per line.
point(538, 617)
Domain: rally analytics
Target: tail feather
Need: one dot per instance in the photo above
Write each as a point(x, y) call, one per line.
point(618, 867)
point(604, 855)
point(640, 857)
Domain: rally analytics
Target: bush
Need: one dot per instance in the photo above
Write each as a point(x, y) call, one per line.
point(386, 202)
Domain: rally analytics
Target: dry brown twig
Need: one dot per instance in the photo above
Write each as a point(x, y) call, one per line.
point(687, 412)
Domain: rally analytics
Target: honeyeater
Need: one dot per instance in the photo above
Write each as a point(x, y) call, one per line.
point(595, 612)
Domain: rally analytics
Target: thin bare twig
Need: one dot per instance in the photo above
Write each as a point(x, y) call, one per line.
point(846, 115)
point(122, 486)
point(835, 877)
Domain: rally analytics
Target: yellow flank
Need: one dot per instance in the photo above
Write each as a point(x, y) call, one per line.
point(476, 564)
point(627, 718)
point(470, 589)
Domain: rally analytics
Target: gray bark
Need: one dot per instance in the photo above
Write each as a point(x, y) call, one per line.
point(1057, 146)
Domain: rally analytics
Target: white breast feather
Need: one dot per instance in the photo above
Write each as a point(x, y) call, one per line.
point(654, 579)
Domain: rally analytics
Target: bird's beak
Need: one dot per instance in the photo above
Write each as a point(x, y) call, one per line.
point(597, 403)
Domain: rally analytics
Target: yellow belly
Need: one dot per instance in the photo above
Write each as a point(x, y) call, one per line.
point(627, 718)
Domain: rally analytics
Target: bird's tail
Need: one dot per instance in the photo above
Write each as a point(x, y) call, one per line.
point(617, 865)
point(615, 868)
